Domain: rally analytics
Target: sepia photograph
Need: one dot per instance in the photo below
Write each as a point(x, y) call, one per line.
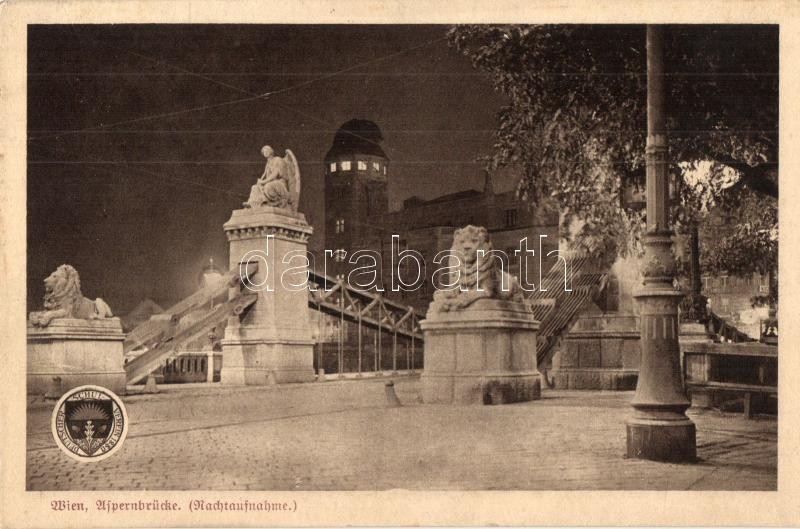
point(182, 179)
point(429, 257)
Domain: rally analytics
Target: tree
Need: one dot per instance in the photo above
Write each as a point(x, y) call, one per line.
point(575, 122)
point(747, 246)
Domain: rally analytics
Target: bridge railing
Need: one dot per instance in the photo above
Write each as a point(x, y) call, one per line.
point(371, 334)
point(201, 366)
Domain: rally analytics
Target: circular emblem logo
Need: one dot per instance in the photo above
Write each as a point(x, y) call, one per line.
point(89, 423)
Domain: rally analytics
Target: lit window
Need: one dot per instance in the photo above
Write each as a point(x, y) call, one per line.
point(511, 218)
point(339, 255)
point(339, 225)
point(384, 169)
point(362, 166)
point(376, 166)
point(346, 166)
point(333, 167)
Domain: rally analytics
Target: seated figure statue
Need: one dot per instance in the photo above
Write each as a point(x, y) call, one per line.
point(479, 277)
point(279, 185)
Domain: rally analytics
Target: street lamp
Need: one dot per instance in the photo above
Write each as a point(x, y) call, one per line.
point(632, 194)
point(659, 428)
point(210, 276)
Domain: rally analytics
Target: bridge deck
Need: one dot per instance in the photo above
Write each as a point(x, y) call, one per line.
point(340, 436)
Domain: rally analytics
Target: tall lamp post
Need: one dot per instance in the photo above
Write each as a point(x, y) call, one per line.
point(659, 428)
point(693, 306)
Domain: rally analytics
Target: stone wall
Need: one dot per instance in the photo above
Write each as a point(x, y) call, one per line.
point(600, 352)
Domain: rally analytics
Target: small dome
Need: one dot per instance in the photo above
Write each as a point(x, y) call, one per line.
point(210, 268)
point(357, 136)
point(211, 275)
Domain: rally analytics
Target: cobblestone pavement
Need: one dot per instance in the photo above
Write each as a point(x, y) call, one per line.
point(341, 436)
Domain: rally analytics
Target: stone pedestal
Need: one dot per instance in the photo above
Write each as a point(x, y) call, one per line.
point(484, 354)
point(659, 428)
point(692, 334)
point(274, 335)
point(77, 351)
point(601, 351)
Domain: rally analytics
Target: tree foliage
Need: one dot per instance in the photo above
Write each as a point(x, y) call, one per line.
point(575, 122)
point(747, 246)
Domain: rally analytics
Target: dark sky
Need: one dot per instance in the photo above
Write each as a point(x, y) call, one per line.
point(133, 191)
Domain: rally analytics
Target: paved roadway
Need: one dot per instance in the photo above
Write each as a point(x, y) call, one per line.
point(341, 436)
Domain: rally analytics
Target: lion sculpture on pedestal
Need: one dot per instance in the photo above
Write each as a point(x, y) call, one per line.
point(63, 299)
point(479, 277)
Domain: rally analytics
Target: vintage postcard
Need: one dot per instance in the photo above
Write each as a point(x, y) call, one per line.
point(364, 263)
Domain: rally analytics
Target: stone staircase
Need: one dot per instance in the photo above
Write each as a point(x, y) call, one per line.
point(556, 308)
point(163, 334)
point(152, 359)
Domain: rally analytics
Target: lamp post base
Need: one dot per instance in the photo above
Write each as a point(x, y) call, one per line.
point(662, 440)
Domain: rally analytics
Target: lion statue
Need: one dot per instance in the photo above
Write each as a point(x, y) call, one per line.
point(63, 299)
point(479, 277)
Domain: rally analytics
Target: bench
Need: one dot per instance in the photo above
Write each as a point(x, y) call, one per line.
point(746, 368)
point(747, 389)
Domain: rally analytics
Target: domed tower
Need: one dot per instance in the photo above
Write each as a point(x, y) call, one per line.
point(356, 177)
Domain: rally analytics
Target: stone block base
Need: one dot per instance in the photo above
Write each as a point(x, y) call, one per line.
point(79, 352)
point(484, 354)
point(43, 384)
point(259, 364)
point(672, 441)
point(271, 343)
point(701, 399)
point(595, 378)
point(601, 351)
point(489, 389)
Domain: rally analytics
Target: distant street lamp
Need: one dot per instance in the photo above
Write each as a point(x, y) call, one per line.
point(634, 191)
point(693, 306)
point(211, 275)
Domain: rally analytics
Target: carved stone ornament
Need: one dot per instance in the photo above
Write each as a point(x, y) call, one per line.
point(479, 277)
point(655, 268)
point(279, 185)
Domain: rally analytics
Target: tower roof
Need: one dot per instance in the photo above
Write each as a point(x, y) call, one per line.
point(357, 136)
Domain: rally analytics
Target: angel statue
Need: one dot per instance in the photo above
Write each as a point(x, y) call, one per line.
point(279, 186)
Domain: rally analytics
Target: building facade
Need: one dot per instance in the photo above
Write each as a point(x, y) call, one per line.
point(357, 219)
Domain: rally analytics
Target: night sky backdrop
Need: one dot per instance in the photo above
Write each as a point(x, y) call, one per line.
point(132, 189)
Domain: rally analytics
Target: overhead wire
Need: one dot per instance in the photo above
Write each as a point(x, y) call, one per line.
point(130, 167)
point(251, 95)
